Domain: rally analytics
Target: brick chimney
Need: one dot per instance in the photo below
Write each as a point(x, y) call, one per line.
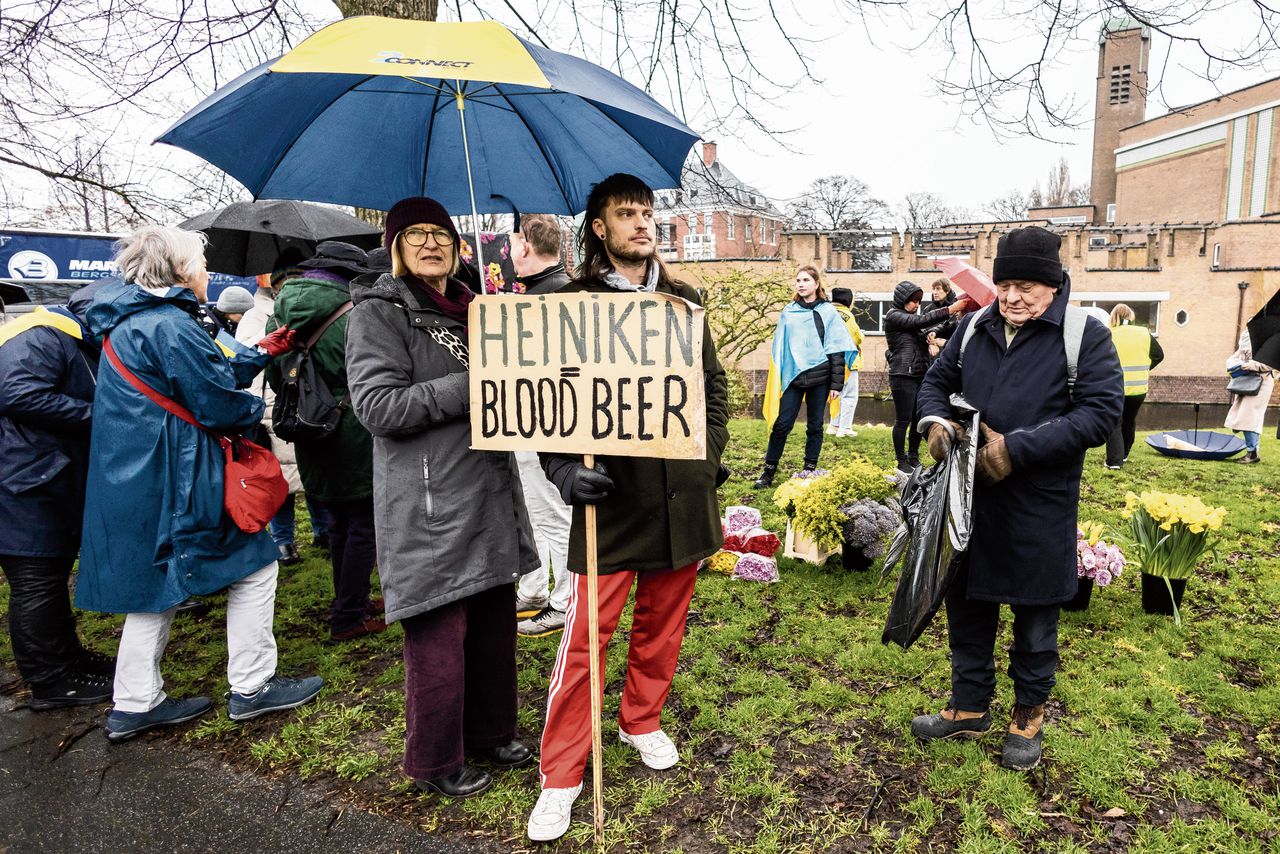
point(708, 153)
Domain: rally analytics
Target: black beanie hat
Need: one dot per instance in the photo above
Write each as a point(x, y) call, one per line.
point(415, 209)
point(1031, 254)
point(844, 296)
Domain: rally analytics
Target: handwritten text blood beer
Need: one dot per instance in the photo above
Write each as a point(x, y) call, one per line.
point(615, 374)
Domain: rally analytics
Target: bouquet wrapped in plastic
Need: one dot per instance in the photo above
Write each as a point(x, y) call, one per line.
point(753, 567)
point(738, 519)
point(723, 562)
point(753, 541)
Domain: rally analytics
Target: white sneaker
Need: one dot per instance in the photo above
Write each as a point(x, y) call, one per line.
point(832, 430)
point(528, 607)
point(656, 750)
point(551, 814)
point(845, 431)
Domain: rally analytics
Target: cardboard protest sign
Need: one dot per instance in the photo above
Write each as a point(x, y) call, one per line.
point(588, 373)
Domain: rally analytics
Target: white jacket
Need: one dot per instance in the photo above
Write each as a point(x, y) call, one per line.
point(252, 328)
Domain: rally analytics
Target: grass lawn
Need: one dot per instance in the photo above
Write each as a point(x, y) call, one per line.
point(792, 718)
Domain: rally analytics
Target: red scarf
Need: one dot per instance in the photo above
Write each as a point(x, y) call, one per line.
point(452, 303)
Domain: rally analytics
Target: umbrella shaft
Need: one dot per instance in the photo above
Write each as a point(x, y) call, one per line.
point(471, 187)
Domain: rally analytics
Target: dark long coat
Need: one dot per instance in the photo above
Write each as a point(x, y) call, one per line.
point(662, 513)
point(46, 411)
point(450, 521)
point(1024, 534)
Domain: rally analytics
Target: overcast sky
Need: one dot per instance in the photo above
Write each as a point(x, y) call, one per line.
point(879, 117)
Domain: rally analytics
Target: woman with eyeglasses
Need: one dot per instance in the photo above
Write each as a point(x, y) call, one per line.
point(452, 531)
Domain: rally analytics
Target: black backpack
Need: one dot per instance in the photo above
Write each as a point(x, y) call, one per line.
point(305, 409)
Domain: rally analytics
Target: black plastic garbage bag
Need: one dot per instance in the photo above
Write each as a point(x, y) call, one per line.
point(937, 517)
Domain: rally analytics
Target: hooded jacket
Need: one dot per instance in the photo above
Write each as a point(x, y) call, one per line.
point(450, 521)
point(155, 531)
point(907, 352)
point(46, 410)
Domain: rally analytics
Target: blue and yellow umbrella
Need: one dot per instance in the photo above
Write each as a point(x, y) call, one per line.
point(368, 111)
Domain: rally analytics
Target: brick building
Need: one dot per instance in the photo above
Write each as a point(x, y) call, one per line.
point(1184, 228)
point(1215, 161)
point(714, 215)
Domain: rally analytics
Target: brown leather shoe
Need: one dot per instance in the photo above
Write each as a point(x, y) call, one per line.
point(370, 626)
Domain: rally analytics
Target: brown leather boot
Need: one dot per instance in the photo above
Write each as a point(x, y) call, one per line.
point(1022, 746)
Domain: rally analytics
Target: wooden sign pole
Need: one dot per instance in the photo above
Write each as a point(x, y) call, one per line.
point(593, 649)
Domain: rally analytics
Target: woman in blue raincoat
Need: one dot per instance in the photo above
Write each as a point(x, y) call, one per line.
point(810, 349)
point(155, 531)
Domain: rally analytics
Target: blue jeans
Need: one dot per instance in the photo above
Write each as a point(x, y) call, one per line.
point(1251, 440)
point(815, 400)
point(283, 524)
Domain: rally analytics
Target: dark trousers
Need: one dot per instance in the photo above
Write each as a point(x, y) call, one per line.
point(353, 551)
point(971, 631)
point(904, 390)
point(42, 627)
point(459, 681)
point(815, 399)
point(1120, 442)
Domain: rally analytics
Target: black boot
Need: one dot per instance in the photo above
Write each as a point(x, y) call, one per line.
point(1250, 457)
point(810, 465)
point(463, 783)
point(766, 476)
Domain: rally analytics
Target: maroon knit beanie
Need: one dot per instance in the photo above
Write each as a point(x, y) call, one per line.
point(416, 209)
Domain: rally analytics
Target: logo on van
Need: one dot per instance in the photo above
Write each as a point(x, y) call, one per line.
point(30, 264)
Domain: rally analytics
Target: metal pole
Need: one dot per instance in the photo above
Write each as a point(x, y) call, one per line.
point(466, 153)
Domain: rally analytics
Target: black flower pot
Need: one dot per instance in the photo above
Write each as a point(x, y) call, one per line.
point(1155, 595)
point(852, 558)
point(1084, 591)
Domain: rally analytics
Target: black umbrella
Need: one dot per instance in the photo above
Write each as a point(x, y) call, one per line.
point(1264, 333)
point(245, 238)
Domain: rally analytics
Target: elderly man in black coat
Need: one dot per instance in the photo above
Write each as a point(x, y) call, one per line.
point(1036, 426)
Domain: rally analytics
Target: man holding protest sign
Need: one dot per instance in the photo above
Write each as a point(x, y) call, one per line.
point(657, 518)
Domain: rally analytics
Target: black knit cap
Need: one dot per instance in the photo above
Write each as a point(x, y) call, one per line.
point(1030, 254)
point(416, 209)
point(844, 296)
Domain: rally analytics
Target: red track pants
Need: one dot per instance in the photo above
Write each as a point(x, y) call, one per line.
point(662, 604)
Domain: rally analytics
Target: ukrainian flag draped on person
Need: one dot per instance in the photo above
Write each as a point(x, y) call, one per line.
point(797, 348)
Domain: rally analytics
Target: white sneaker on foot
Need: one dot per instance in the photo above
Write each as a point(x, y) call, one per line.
point(656, 750)
point(832, 430)
point(846, 431)
point(551, 814)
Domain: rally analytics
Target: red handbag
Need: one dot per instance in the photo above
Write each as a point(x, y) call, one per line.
point(254, 488)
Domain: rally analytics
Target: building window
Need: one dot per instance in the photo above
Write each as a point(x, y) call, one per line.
point(869, 313)
point(1119, 84)
point(773, 232)
point(693, 222)
point(1144, 313)
point(666, 233)
point(728, 227)
point(708, 226)
point(1181, 317)
point(761, 232)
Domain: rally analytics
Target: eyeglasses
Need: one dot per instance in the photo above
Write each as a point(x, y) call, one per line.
point(418, 236)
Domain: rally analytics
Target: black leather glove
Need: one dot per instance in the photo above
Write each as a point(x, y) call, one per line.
point(581, 485)
point(722, 474)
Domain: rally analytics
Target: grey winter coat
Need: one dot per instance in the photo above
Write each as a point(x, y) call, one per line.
point(450, 521)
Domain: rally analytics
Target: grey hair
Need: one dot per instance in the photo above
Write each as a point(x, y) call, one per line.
point(160, 256)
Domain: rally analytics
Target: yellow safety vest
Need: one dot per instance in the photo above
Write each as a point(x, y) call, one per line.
point(854, 332)
point(1133, 345)
point(40, 317)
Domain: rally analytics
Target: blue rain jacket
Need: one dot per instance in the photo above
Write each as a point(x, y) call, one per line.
point(155, 531)
point(46, 407)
